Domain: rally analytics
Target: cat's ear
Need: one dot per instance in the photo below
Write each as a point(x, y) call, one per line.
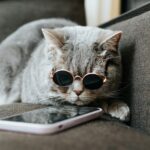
point(53, 37)
point(112, 42)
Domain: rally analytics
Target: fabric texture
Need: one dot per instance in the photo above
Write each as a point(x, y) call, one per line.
point(14, 13)
point(135, 50)
point(98, 134)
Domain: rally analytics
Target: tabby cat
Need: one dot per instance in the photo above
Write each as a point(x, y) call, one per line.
point(33, 55)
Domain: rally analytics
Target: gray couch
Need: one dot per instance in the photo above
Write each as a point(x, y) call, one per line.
point(101, 133)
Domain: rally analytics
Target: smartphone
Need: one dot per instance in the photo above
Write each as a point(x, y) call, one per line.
point(49, 120)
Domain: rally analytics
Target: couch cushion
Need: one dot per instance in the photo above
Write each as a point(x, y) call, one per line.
point(14, 13)
point(95, 135)
point(135, 50)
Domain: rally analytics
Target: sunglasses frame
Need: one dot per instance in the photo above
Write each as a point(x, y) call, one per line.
point(77, 77)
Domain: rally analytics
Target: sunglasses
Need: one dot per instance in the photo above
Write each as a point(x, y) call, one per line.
point(90, 81)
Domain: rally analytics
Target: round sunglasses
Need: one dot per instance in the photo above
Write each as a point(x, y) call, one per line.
point(90, 81)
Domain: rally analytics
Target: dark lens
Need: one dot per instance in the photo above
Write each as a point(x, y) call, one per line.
point(92, 81)
point(63, 78)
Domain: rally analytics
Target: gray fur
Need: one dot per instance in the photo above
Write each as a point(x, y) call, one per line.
point(27, 60)
point(15, 52)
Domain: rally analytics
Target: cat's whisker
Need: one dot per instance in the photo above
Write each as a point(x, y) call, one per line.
point(60, 100)
point(115, 92)
point(48, 98)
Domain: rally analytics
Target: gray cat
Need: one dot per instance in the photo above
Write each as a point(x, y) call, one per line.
point(30, 57)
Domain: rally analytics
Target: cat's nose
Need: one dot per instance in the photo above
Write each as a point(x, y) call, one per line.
point(78, 92)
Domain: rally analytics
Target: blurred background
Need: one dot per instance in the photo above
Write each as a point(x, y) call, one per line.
point(101, 11)
point(14, 13)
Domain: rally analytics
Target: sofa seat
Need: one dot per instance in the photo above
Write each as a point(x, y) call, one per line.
point(95, 135)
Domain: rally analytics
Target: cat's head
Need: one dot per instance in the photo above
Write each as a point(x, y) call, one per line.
point(82, 50)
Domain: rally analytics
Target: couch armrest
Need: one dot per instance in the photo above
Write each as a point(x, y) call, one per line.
point(135, 50)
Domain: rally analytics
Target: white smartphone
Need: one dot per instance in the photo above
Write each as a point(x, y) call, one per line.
point(50, 120)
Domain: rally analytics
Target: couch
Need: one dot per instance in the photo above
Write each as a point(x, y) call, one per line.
point(102, 133)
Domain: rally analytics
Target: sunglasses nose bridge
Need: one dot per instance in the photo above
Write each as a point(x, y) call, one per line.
point(77, 77)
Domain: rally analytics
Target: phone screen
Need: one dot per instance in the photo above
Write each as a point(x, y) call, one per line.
point(51, 114)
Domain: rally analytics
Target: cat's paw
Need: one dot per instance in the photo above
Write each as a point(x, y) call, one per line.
point(119, 110)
